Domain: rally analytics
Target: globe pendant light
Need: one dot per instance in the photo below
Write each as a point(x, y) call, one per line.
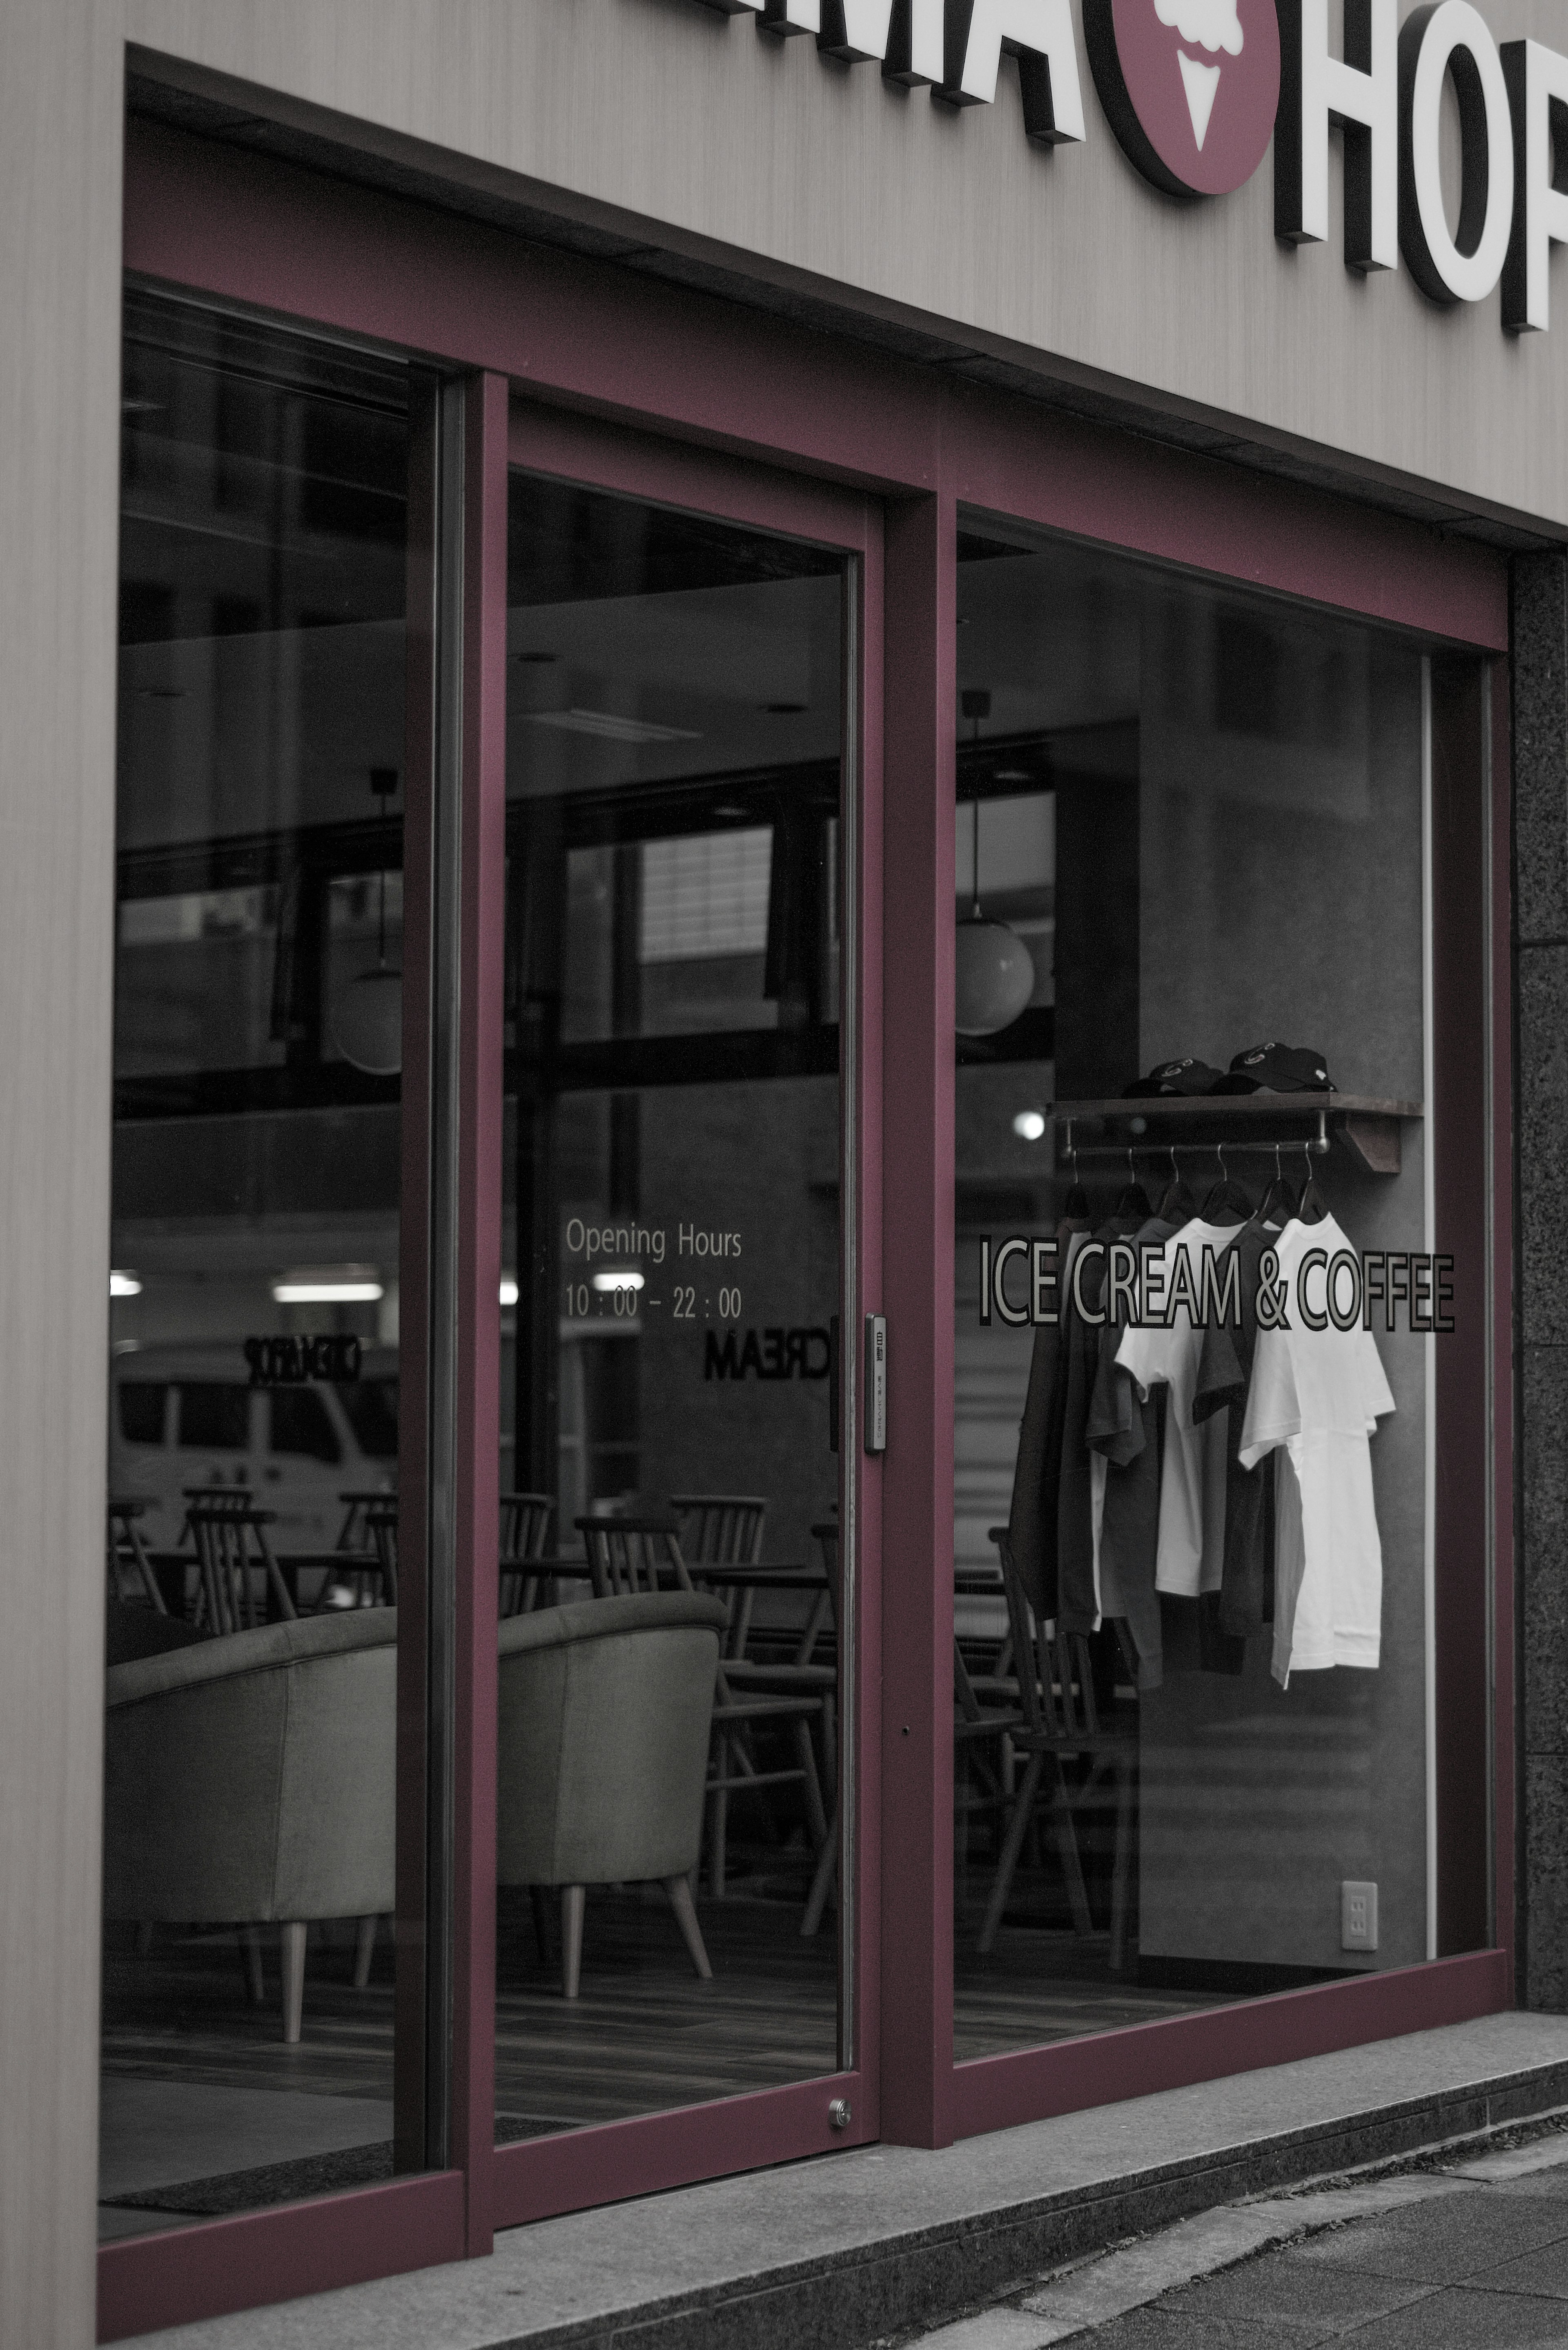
point(995, 971)
point(368, 1021)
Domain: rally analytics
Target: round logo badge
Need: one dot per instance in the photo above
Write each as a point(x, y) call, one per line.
point(1190, 87)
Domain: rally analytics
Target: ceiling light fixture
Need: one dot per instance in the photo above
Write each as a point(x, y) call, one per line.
point(328, 1284)
point(611, 1281)
point(508, 1290)
point(124, 1285)
point(995, 975)
point(369, 1021)
point(1029, 1124)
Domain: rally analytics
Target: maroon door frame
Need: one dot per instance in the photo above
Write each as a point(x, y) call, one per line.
point(733, 391)
point(587, 2166)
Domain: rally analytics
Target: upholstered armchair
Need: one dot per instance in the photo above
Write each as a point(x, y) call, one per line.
point(249, 1781)
point(605, 1707)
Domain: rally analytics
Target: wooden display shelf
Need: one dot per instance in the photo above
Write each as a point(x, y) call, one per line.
point(1369, 1126)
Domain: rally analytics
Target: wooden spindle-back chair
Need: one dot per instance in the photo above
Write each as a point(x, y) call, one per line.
point(524, 1525)
point(128, 1554)
point(231, 1547)
point(1059, 1722)
point(644, 1553)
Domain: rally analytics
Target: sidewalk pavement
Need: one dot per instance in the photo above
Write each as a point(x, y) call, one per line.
point(872, 2245)
point(1473, 2253)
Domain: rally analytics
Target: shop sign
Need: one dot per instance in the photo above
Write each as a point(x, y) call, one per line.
point(1194, 89)
point(1141, 1292)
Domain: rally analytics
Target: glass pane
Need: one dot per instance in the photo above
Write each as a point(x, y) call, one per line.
point(1191, 1551)
point(251, 1703)
point(671, 1248)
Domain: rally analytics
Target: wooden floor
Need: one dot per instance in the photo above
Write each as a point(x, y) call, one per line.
point(644, 2035)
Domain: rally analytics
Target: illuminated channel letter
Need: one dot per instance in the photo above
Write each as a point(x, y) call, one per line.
point(1361, 93)
point(1039, 34)
point(1537, 89)
point(1435, 43)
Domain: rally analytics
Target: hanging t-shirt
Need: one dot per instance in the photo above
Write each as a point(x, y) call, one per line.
point(1191, 1550)
point(1037, 1471)
point(1126, 1437)
point(1317, 1397)
point(1224, 1383)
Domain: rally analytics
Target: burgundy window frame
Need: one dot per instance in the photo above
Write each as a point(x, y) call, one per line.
point(831, 439)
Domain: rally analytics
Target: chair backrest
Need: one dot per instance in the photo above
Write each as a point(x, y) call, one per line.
point(524, 1523)
point(603, 1727)
point(632, 1554)
point(721, 1529)
point(1055, 1679)
point(253, 1778)
point(229, 1533)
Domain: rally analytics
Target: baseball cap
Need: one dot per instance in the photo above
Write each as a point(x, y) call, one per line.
point(1188, 1077)
point(1276, 1069)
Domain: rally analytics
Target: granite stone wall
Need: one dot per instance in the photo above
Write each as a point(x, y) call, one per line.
point(1540, 637)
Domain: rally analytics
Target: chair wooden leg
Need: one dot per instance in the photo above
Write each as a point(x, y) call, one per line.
point(680, 1891)
point(719, 1822)
point(816, 1810)
point(364, 1946)
point(572, 1901)
point(293, 1980)
point(1121, 1881)
point(539, 1902)
point(251, 1960)
point(1013, 1844)
point(1067, 1851)
point(822, 1883)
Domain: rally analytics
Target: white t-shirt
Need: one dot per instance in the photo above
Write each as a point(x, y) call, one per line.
point(1317, 1397)
point(1190, 1556)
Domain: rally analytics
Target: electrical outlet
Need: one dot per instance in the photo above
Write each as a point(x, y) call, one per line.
point(1357, 1915)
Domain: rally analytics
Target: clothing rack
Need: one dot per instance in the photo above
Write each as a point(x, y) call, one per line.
point(1147, 1146)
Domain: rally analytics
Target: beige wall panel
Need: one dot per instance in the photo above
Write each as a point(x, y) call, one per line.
point(668, 110)
point(60, 102)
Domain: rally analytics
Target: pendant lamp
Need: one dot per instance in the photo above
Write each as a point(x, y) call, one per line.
point(995, 974)
point(367, 1023)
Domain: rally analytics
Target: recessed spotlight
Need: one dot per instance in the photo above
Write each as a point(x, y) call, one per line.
point(124, 1285)
point(508, 1290)
point(1029, 1124)
point(612, 1280)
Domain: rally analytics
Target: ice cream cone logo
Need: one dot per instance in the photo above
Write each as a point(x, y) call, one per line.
point(1209, 24)
point(1190, 86)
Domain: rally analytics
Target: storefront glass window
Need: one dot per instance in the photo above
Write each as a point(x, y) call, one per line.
point(253, 1383)
point(1193, 1546)
point(670, 1554)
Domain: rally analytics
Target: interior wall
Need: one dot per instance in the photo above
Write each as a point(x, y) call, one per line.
point(60, 116)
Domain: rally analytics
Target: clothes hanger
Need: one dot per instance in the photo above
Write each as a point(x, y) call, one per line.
point(1278, 1204)
point(1227, 1203)
point(1134, 1200)
point(1076, 1204)
point(1312, 1207)
point(1177, 1204)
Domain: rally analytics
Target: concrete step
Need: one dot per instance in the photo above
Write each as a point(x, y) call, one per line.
point(877, 2243)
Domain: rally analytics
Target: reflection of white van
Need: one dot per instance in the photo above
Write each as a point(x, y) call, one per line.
point(187, 1415)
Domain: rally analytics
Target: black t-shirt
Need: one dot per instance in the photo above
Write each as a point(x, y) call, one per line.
point(1224, 1378)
